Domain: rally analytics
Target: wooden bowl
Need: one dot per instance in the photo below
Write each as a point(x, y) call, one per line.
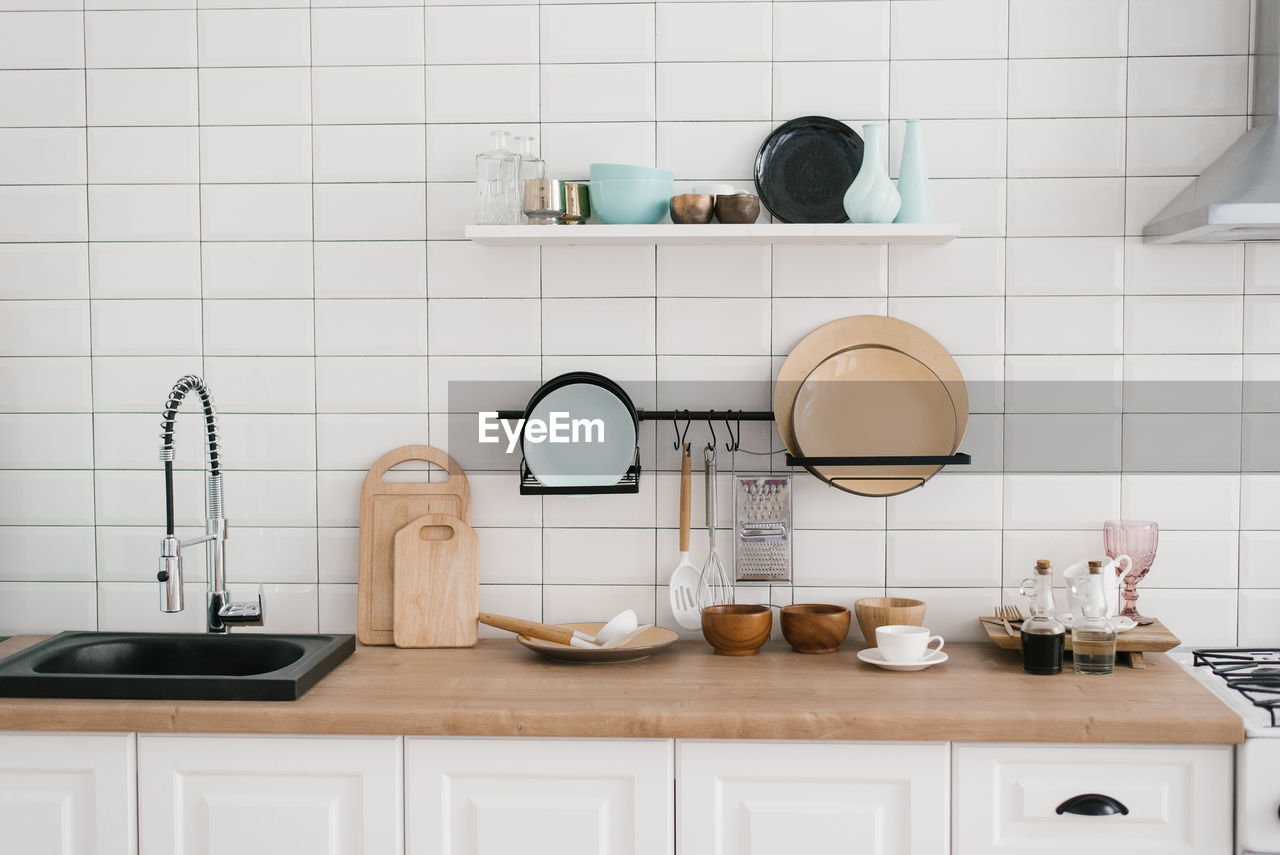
point(689, 208)
point(815, 627)
point(737, 630)
point(875, 612)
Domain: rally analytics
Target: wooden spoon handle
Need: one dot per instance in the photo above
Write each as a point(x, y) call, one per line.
point(531, 628)
point(685, 497)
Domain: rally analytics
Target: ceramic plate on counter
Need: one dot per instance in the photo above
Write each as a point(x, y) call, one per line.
point(804, 168)
point(869, 385)
point(653, 640)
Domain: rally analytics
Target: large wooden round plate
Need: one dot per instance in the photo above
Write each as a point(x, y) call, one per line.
point(834, 366)
point(653, 640)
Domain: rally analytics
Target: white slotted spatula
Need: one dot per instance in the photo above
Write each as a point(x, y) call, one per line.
point(686, 582)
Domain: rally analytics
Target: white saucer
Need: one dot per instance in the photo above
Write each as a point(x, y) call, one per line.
point(872, 656)
point(1122, 624)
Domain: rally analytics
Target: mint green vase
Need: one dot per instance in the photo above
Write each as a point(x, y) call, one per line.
point(913, 179)
point(871, 198)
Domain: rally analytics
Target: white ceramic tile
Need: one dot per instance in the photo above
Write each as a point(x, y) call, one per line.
point(344, 153)
point(572, 603)
point(1183, 324)
point(52, 98)
point(256, 269)
point(1065, 265)
point(143, 96)
point(1068, 28)
point(368, 95)
point(1090, 383)
point(458, 34)
point(950, 89)
point(977, 205)
point(366, 384)
point(43, 270)
point(579, 271)
point(47, 553)
point(838, 558)
point(950, 559)
point(47, 607)
point(453, 147)
point(42, 156)
point(951, 501)
point(370, 269)
point(1261, 375)
point(710, 271)
point(1065, 88)
point(570, 34)
point(611, 92)
point(142, 39)
point(571, 556)
point(33, 40)
point(1023, 548)
point(572, 148)
point(140, 212)
point(254, 384)
point(713, 326)
point(144, 155)
point(510, 556)
point(511, 93)
point(815, 504)
point(972, 266)
point(829, 271)
point(46, 441)
point(356, 441)
point(853, 90)
point(842, 30)
point(793, 319)
point(1060, 501)
point(1044, 207)
point(131, 607)
point(142, 270)
point(382, 36)
point(337, 608)
point(44, 328)
point(371, 327)
point(146, 327)
point(1262, 276)
point(1182, 145)
point(1258, 613)
point(256, 212)
point(598, 326)
point(450, 209)
point(128, 384)
point(255, 154)
point(258, 327)
point(254, 37)
point(1195, 559)
point(705, 91)
point(1164, 28)
point(339, 557)
point(957, 148)
point(1188, 86)
point(966, 325)
point(1262, 321)
point(1259, 557)
point(42, 384)
point(1204, 618)
point(1183, 501)
point(34, 497)
point(950, 29)
point(1183, 268)
point(273, 498)
point(128, 440)
point(270, 442)
point(1064, 324)
point(462, 269)
point(1260, 502)
point(286, 608)
point(714, 32)
point(1057, 148)
point(951, 610)
point(43, 214)
point(131, 498)
point(482, 327)
point(255, 96)
point(710, 150)
point(370, 211)
point(1145, 197)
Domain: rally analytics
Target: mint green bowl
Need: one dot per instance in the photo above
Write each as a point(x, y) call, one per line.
point(632, 201)
point(615, 171)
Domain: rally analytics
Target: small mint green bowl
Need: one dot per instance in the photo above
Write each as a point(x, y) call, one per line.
point(615, 171)
point(632, 201)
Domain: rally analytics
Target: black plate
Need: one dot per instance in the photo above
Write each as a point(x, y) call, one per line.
point(804, 168)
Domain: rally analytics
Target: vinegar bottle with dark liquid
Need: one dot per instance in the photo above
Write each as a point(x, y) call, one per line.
point(1044, 637)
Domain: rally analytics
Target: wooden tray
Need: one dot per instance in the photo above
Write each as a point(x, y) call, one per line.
point(1155, 638)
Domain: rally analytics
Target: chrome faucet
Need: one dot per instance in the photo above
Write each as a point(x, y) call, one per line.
point(220, 610)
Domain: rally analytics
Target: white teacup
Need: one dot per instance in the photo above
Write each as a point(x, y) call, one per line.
point(900, 643)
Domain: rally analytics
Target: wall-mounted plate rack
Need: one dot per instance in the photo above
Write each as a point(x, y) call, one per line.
point(630, 483)
point(713, 234)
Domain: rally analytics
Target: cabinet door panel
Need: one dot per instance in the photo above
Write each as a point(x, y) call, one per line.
point(67, 794)
point(536, 796)
point(216, 795)
point(761, 798)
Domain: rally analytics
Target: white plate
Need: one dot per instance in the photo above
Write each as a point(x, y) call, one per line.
point(1122, 624)
point(873, 656)
point(587, 462)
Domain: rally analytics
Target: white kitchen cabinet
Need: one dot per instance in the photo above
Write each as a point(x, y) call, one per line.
point(68, 793)
point(290, 795)
point(765, 798)
point(539, 796)
point(1008, 797)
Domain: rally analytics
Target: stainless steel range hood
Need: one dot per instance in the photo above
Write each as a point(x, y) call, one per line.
point(1238, 197)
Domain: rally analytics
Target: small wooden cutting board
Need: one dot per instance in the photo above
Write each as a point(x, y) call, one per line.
point(1154, 638)
point(385, 508)
point(437, 594)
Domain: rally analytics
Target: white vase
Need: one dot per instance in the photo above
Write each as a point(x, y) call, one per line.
point(913, 179)
point(872, 198)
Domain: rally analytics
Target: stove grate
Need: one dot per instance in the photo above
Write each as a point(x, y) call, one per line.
point(1252, 671)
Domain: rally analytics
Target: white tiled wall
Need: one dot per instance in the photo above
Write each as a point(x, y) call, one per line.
point(273, 192)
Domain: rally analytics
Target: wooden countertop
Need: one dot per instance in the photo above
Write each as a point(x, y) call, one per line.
point(500, 689)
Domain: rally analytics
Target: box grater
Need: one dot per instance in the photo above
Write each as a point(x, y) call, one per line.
point(762, 528)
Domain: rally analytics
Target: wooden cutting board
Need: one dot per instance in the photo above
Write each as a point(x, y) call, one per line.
point(385, 508)
point(1154, 638)
point(437, 593)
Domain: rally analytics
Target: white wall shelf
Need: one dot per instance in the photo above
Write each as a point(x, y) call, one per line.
point(714, 234)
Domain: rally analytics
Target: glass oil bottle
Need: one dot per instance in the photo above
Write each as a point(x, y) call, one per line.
point(1044, 638)
point(1093, 637)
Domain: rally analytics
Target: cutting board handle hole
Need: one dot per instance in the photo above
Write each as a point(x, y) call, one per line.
point(435, 532)
point(416, 472)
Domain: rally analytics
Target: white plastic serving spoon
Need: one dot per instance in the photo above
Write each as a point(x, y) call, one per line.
point(686, 582)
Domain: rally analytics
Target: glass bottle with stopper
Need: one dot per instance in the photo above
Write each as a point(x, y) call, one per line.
point(1043, 635)
point(498, 183)
point(1093, 637)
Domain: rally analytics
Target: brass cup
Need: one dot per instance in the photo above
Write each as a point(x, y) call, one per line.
point(740, 208)
point(577, 203)
point(688, 208)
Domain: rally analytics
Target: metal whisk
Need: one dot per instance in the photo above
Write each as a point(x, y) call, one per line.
point(715, 581)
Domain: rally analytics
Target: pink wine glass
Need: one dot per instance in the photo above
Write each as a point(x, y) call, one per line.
point(1138, 540)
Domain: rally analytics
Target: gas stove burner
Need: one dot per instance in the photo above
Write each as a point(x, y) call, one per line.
point(1253, 672)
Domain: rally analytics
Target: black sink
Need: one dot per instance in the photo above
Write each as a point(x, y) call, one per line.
point(173, 666)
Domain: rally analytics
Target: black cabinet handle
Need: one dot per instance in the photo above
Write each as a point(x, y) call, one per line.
point(1093, 804)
